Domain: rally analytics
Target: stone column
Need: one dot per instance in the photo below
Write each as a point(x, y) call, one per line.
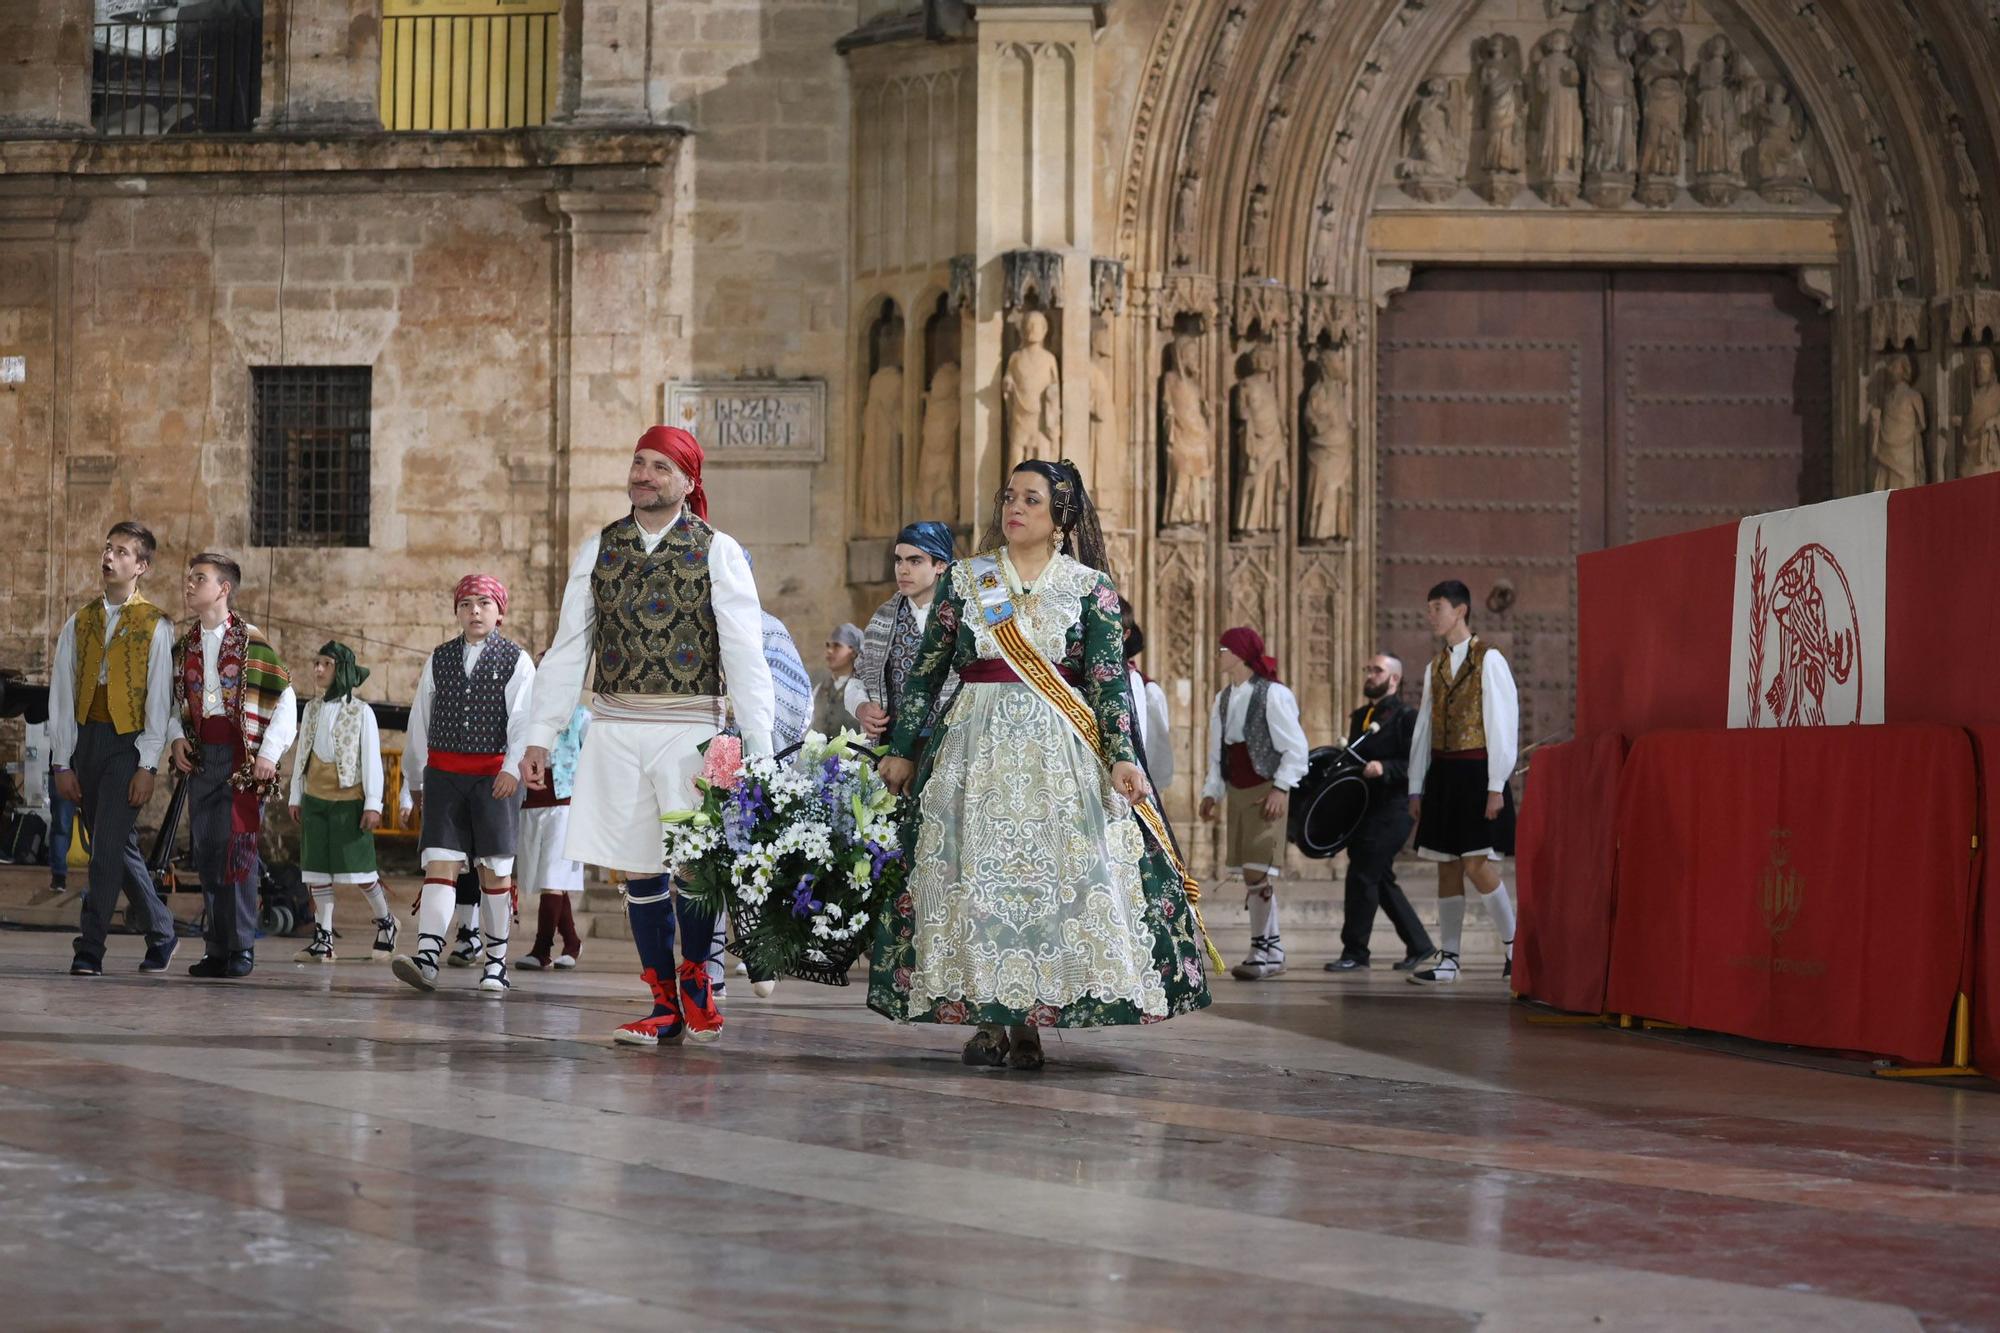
point(330, 78)
point(1034, 146)
point(612, 52)
point(46, 88)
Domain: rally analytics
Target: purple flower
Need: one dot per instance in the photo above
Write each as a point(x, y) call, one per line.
point(803, 902)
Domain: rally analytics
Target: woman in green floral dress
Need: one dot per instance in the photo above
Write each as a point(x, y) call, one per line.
point(1035, 898)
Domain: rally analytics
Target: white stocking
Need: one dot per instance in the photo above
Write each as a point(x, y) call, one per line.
point(494, 909)
point(1500, 906)
point(1451, 923)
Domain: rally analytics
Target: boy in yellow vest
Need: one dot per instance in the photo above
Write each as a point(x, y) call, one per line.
point(109, 693)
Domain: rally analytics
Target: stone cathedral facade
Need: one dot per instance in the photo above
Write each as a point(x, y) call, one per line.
point(1330, 298)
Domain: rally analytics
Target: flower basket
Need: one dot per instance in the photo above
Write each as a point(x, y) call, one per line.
point(801, 849)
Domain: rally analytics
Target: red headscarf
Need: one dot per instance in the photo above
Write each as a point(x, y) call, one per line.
point(1248, 644)
point(684, 452)
point(481, 585)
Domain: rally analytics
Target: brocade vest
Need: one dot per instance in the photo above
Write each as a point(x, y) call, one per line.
point(469, 713)
point(129, 651)
point(1458, 706)
point(655, 621)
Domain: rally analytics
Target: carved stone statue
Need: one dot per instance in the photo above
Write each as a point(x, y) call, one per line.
point(882, 442)
point(1329, 451)
point(1324, 241)
point(1662, 118)
point(1558, 123)
point(1187, 217)
point(1435, 136)
point(1190, 439)
point(937, 463)
point(1782, 174)
point(1717, 177)
point(1110, 478)
point(1225, 48)
point(1265, 163)
point(1896, 430)
point(1201, 131)
point(1503, 162)
point(1032, 393)
point(1979, 436)
point(1610, 107)
point(1260, 446)
point(1256, 231)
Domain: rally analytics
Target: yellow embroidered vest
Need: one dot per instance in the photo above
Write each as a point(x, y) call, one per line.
point(128, 652)
point(1458, 712)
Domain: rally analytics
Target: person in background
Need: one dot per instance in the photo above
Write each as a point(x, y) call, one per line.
point(1149, 706)
point(834, 692)
point(1371, 853)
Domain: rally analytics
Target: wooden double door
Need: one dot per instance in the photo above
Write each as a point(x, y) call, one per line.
point(1525, 416)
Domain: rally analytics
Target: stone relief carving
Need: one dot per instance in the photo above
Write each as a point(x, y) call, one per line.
point(962, 290)
point(1558, 123)
point(1109, 476)
point(1026, 274)
point(1782, 174)
point(1269, 140)
point(1201, 131)
point(1259, 420)
point(1662, 118)
point(1897, 323)
point(1190, 437)
point(882, 429)
point(1107, 286)
point(1975, 315)
point(1295, 61)
point(1257, 231)
point(1329, 450)
point(1717, 177)
point(1436, 136)
point(1979, 428)
point(1187, 218)
point(1610, 107)
point(1225, 48)
point(1503, 159)
point(1896, 429)
point(1031, 390)
point(1325, 239)
point(937, 460)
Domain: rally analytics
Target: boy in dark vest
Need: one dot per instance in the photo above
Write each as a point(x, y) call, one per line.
point(1461, 754)
point(661, 613)
point(110, 692)
point(923, 552)
point(462, 766)
point(234, 718)
point(1257, 753)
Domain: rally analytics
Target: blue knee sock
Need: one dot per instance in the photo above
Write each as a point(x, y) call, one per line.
point(653, 928)
point(697, 929)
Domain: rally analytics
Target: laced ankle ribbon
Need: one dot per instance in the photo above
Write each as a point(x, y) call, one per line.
point(1040, 675)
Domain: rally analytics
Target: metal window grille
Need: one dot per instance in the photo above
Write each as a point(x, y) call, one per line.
point(470, 64)
point(187, 69)
point(311, 455)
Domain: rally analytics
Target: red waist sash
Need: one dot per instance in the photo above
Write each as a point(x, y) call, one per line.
point(470, 765)
point(995, 671)
point(1239, 768)
point(1459, 754)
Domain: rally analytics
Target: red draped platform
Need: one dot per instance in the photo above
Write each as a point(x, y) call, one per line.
point(1651, 882)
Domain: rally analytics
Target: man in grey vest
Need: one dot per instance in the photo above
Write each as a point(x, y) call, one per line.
point(1257, 753)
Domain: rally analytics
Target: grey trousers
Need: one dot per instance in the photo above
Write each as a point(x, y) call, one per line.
point(104, 763)
point(228, 865)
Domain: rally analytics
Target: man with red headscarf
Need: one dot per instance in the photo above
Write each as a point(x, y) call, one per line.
point(1257, 753)
point(662, 613)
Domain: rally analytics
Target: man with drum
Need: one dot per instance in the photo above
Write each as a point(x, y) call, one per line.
point(1378, 734)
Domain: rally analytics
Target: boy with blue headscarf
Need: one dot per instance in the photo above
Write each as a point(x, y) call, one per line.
point(889, 646)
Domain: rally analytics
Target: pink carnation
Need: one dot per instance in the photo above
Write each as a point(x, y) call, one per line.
point(722, 766)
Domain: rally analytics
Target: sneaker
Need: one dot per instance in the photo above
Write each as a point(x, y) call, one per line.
point(532, 963)
point(320, 950)
point(495, 981)
point(568, 960)
point(422, 970)
point(79, 966)
point(662, 1026)
point(385, 940)
point(1443, 972)
point(159, 955)
point(1347, 965)
point(471, 949)
point(241, 964)
point(697, 1003)
point(209, 967)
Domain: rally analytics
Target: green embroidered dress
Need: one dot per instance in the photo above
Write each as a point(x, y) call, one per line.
point(1034, 896)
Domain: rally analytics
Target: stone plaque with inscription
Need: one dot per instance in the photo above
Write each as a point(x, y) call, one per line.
point(752, 421)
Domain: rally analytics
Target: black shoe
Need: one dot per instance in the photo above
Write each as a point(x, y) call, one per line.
point(1412, 962)
point(1507, 969)
point(159, 955)
point(210, 967)
point(80, 966)
point(241, 963)
point(1345, 964)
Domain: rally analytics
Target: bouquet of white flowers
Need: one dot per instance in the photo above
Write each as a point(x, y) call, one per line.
point(800, 850)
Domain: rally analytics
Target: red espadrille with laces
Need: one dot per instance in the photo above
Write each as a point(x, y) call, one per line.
point(697, 1001)
point(662, 1025)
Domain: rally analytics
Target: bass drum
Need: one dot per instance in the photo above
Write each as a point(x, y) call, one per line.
point(1329, 805)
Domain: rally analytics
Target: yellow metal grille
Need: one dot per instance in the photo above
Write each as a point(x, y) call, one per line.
point(469, 64)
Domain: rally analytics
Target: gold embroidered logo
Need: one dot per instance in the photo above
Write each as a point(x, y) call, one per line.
point(1780, 891)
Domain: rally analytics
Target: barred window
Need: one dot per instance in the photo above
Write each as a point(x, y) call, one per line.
point(311, 455)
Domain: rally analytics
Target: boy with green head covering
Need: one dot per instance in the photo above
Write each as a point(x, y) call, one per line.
point(337, 800)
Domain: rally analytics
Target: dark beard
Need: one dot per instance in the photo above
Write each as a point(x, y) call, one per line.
point(1375, 690)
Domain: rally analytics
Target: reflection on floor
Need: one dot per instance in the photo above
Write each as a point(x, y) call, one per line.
point(323, 1147)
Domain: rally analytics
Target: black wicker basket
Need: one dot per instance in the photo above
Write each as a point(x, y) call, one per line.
point(841, 955)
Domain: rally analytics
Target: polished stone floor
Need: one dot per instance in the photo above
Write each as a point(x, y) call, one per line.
point(322, 1148)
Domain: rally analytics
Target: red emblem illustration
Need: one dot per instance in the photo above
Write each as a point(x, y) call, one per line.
point(1819, 640)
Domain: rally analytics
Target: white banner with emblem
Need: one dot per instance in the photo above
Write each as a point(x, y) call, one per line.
point(1806, 640)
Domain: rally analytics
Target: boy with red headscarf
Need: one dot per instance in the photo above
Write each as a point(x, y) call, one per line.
point(661, 612)
point(1257, 753)
point(462, 770)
